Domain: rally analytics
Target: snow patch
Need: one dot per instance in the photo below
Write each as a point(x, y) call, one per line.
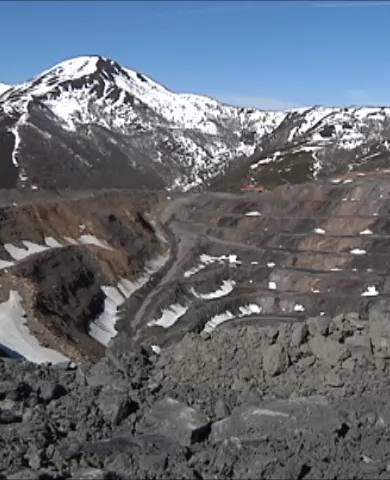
point(265, 161)
point(250, 309)
point(88, 239)
point(15, 334)
point(253, 214)
point(358, 251)
point(244, 311)
point(156, 349)
point(299, 308)
point(18, 253)
point(169, 316)
point(370, 292)
point(217, 320)
point(5, 264)
point(103, 328)
point(51, 242)
point(70, 240)
point(209, 260)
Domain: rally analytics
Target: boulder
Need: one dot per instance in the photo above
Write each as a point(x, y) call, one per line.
point(49, 390)
point(277, 417)
point(379, 328)
point(250, 422)
point(298, 334)
point(318, 326)
point(115, 405)
point(328, 351)
point(177, 421)
point(275, 359)
point(221, 410)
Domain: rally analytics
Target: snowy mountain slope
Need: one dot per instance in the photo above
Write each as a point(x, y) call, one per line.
point(315, 143)
point(181, 139)
point(89, 122)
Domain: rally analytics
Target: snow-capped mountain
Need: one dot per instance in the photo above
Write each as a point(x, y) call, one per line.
point(88, 122)
point(112, 126)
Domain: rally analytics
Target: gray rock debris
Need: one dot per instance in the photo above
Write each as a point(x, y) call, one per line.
point(248, 402)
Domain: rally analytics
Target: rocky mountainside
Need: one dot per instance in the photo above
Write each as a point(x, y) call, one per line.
point(91, 123)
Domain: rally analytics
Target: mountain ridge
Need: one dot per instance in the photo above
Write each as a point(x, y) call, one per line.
point(110, 126)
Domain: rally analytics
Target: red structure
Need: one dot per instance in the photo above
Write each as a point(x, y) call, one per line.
point(252, 188)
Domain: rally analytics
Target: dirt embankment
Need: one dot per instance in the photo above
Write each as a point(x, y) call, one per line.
point(59, 253)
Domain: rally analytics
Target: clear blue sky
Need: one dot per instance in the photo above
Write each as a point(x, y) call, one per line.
point(270, 54)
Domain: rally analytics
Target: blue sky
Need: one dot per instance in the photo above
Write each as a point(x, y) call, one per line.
point(268, 54)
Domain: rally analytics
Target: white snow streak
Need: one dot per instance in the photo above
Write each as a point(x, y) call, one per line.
point(244, 311)
point(169, 316)
point(209, 260)
point(103, 328)
point(52, 242)
point(217, 320)
point(5, 264)
point(226, 287)
point(18, 253)
point(358, 251)
point(92, 240)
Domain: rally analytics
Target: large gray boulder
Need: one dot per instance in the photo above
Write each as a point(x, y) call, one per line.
point(379, 328)
point(275, 359)
point(177, 421)
point(328, 351)
point(298, 334)
point(318, 325)
point(115, 405)
point(277, 417)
